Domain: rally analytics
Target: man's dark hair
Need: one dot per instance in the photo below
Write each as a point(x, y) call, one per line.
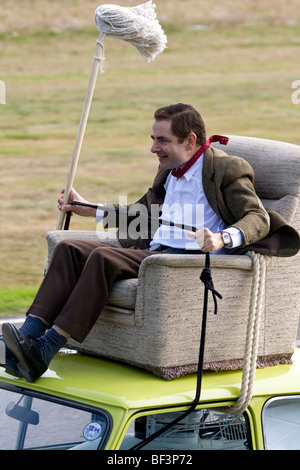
point(184, 119)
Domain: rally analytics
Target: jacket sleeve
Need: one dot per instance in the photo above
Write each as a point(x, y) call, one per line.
point(244, 208)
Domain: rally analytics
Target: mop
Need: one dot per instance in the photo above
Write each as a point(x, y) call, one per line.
point(136, 25)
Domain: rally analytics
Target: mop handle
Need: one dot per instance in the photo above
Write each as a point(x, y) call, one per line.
point(82, 126)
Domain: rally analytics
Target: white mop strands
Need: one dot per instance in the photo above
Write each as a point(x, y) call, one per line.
point(136, 25)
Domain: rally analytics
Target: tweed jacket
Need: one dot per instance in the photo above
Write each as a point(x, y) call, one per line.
point(228, 184)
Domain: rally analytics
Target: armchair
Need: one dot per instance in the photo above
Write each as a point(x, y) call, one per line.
point(154, 322)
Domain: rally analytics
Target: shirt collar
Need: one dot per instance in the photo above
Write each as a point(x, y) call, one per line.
point(195, 167)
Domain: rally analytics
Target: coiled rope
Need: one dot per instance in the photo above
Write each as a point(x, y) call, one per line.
point(252, 335)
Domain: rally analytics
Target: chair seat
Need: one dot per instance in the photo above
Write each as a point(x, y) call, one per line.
point(123, 294)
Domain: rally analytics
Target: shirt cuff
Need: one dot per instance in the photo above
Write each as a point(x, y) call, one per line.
point(236, 236)
point(99, 215)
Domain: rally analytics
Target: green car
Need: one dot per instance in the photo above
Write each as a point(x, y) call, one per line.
point(85, 402)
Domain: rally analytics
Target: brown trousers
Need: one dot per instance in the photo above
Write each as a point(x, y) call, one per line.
point(76, 286)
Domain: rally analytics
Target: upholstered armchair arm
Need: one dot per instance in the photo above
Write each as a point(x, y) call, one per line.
point(172, 282)
point(55, 236)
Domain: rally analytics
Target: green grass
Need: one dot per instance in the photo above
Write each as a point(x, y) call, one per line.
point(16, 300)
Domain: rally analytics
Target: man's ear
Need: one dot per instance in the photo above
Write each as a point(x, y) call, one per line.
point(191, 140)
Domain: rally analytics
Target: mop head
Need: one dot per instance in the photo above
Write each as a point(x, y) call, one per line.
point(137, 25)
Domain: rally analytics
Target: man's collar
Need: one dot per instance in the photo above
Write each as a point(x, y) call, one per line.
point(196, 166)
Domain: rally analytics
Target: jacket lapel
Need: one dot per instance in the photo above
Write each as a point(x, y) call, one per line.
point(208, 182)
point(157, 193)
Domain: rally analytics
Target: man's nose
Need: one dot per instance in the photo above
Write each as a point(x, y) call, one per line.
point(155, 147)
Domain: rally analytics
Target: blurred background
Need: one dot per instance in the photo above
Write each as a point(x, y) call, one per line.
point(235, 61)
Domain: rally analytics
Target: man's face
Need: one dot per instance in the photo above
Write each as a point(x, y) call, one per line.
point(171, 154)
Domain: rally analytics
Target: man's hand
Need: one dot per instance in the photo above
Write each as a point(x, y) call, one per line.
point(207, 240)
point(79, 210)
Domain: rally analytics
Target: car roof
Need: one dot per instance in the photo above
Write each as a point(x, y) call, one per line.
point(107, 382)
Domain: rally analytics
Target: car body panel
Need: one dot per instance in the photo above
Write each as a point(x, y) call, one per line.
point(126, 392)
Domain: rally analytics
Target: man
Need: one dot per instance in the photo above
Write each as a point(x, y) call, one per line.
point(192, 175)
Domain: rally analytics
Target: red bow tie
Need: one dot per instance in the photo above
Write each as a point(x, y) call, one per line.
point(178, 173)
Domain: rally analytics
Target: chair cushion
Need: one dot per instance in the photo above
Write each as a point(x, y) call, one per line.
point(123, 294)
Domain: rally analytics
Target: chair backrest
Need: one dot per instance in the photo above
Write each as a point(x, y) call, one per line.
point(276, 168)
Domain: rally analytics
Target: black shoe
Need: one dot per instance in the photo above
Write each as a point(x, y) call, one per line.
point(26, 350)
point(7, 360)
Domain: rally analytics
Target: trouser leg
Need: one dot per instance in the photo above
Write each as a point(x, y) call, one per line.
point(75, 289)
point(67, 263)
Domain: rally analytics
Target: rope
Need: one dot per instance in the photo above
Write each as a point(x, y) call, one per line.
point(101, 58)
point(252, 335)
point(206, 278)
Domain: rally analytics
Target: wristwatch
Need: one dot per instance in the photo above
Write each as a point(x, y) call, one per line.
point(226, 238)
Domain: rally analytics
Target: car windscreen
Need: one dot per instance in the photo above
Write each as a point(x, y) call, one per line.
point(31, 421)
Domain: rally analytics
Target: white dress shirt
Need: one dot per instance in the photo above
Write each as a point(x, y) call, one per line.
point(186, 203)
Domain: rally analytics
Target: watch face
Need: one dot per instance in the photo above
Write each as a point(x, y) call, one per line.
point(226, 238)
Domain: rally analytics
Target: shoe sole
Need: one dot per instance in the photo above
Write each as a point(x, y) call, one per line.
point(3, 361)
point(8, 369)
point(11, 339)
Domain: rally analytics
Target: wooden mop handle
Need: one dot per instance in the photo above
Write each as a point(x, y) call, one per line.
point(82, 126)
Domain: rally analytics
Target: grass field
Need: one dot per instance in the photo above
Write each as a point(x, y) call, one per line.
point(234, 61)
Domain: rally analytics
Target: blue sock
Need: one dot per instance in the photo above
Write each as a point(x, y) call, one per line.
point(33, 326)
point(50, 344)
